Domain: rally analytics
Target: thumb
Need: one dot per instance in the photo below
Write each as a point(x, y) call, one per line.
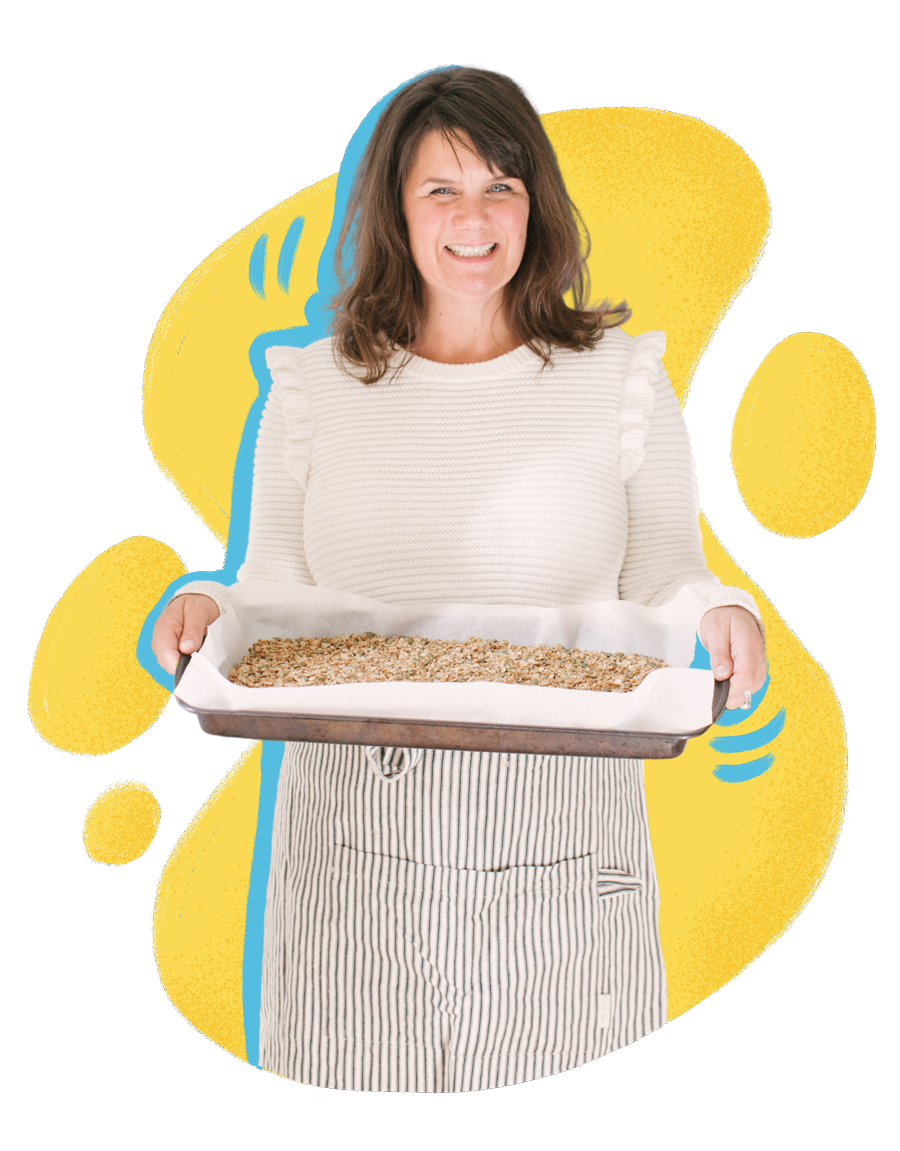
point(721, 662)
point(195, 619)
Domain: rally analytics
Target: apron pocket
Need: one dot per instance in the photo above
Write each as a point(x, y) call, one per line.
point(481, 964)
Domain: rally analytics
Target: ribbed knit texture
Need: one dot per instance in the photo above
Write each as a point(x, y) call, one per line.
point(479, 483)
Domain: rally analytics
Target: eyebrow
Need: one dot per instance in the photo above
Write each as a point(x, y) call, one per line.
point(496, 179)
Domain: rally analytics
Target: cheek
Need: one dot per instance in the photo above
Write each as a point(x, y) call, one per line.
point(422, 233)
point(521, 234)
point(518, 227)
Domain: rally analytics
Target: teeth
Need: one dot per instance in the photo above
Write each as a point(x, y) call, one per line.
point(459, 250)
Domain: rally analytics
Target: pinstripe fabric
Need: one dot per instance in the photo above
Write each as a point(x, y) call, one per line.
point(472, 921)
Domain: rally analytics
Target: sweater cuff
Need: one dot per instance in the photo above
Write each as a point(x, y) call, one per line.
point(216, 591)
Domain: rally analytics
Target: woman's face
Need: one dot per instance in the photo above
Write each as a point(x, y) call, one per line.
point(466, 223)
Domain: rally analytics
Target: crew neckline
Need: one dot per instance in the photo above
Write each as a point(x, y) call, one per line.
point(415, 367)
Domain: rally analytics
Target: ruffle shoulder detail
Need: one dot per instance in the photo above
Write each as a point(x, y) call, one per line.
point(286, 367)
point(638, 399)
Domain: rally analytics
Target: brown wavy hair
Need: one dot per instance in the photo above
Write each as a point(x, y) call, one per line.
point(382, 306)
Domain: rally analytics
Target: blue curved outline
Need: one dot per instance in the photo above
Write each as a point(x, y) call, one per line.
point(741, 772)
point(317, 313)
point(257, 267)
point(751, 740)
point(287, 253)
point(251, 979)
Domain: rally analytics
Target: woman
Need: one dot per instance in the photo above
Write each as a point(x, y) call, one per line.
point(445, 921)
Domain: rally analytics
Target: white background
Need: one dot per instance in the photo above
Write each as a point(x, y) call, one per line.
point(142, 138)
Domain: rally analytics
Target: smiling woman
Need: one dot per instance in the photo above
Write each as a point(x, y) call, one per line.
point(438, 920)
point(460, 160)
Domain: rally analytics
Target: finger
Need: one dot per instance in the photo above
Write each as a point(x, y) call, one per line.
point(196, 618)
point(744, 681)
point(715, 634)
point(720, 654)
point(749, 660)
point(737, 696)
point(166, 637)
point(167, 658)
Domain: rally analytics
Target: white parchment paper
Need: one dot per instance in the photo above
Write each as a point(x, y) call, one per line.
point(676, 699)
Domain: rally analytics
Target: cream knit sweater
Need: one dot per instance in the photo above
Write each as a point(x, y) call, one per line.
point(491, 483)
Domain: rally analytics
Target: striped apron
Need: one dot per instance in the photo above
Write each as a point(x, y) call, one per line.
point(456, 921)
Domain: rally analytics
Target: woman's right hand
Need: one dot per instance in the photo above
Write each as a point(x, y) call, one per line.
point(181, 628)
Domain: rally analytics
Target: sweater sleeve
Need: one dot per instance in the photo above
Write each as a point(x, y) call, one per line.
point(275, 548)
point(665, 550)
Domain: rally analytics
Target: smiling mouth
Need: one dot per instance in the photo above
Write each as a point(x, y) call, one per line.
point(461, 250)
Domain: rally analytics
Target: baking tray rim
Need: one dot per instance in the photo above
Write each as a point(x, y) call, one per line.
point(721, 689)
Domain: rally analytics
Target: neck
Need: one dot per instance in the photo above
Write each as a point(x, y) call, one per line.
point(465, 334)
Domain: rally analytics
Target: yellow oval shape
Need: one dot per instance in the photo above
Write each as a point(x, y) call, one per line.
point(88, 692)
point(121, 823)
point(804, 436)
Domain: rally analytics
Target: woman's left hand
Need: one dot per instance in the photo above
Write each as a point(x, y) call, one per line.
point(736, 648)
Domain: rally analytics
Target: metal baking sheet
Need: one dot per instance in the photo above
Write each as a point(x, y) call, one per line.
point(449, 736)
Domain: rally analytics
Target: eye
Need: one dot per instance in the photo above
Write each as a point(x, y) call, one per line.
point(500, 188)
point(441, 191)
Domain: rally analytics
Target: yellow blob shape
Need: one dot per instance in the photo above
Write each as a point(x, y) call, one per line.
point(121, 823)
point(737, 862)
point(201, 906)
point(804, 436)
point(88, 692)
point(198, 373)
point(677, 214)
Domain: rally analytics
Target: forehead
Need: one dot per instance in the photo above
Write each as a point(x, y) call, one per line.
point(441, 157)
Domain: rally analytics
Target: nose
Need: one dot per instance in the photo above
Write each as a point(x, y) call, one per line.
point(472, 214)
